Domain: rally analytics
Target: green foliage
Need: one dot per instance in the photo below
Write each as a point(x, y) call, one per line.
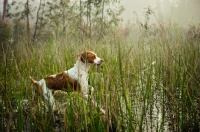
point(5, 38)
point(5, 32)
point(19, 30)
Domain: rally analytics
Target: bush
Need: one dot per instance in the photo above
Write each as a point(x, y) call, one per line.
point(5, 32)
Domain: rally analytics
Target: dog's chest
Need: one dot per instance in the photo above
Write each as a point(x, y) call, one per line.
point(79, 75)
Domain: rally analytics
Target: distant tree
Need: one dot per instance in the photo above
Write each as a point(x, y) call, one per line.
point(27, 19)
point(5, 3)
point(37, 19)
point(23, 12)
point(80, 19)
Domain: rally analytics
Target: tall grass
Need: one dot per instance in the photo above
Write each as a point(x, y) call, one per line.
point(146, 85)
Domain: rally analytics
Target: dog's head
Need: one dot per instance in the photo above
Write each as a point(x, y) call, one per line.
point(90, 58)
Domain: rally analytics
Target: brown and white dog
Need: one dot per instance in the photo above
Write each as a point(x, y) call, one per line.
point(74, 79)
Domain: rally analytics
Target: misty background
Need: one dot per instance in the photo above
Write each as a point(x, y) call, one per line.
point(181, 12)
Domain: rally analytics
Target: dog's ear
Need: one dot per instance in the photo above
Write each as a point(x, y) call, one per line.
point(83, 57)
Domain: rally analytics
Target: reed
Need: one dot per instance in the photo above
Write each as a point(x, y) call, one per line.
point(148, 85)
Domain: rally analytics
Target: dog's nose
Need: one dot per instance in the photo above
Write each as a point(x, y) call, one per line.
point(100, 62)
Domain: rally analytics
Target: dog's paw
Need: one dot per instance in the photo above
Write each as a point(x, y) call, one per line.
point(102, 111)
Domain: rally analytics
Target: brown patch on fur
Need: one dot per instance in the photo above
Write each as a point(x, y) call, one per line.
point(62, 82)
point(88, 57)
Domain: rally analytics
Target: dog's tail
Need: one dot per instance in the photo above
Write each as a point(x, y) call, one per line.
point(34, 82)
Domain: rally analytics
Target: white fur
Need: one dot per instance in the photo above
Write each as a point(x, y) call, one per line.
point(47, 93)
point(97, 60)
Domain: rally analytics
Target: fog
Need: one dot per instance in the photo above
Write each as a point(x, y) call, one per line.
point(182, 12)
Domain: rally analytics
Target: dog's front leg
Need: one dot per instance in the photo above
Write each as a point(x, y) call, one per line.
point(84, 91)
point(94, 103)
